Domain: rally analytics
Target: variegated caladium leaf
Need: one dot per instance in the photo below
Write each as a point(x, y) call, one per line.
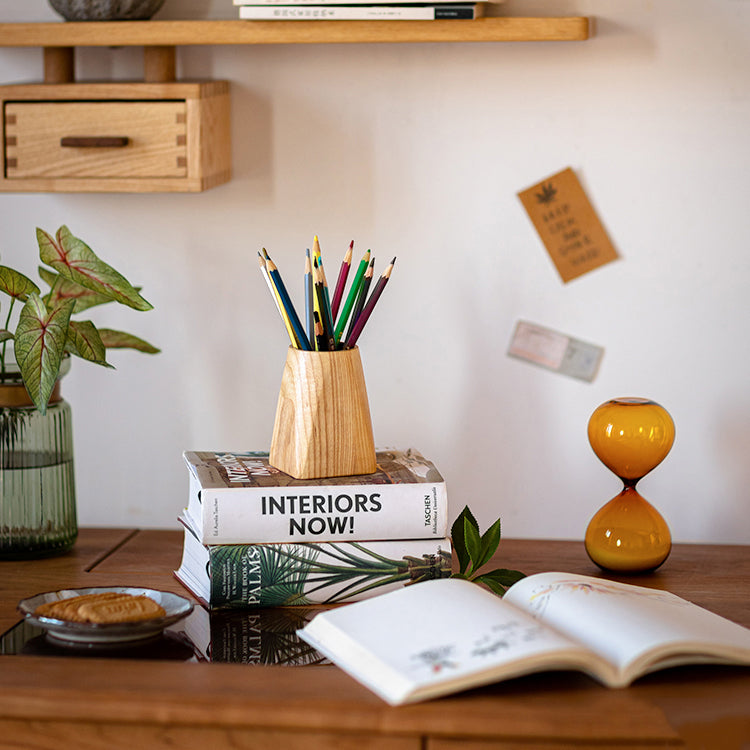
point(16, 284)
point(73, 259)
point(120, 340)
point(40, 345)
point(63, 289)
point(84, 341)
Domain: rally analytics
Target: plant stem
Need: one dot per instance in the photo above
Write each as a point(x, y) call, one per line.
point(5, 343)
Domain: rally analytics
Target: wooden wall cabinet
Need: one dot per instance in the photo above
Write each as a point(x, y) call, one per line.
point(115, 137)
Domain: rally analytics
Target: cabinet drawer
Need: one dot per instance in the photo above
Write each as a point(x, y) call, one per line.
point(115, 137)
point(152, 138)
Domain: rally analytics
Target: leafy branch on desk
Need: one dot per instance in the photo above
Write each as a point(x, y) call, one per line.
point(474, 550)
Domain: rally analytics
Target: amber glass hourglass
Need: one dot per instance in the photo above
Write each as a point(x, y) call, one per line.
point(631, 436)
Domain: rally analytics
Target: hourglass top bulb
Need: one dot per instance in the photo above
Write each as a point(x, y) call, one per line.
point(631, 436)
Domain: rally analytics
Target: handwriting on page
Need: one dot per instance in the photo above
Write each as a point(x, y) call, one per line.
point(568, 225)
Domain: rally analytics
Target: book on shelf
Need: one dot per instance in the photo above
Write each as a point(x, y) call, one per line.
point(258, 636)
point(361, 11)
point(256, 3)
point(239, 498)
point(454, 635)
point(306, 573)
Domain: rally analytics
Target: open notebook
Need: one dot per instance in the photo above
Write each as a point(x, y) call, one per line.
point(446, 635)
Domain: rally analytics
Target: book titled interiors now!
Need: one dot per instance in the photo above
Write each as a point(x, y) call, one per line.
point(454, 635)
point(239, 498)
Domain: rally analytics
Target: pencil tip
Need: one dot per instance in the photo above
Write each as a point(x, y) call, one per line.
point(394, 260)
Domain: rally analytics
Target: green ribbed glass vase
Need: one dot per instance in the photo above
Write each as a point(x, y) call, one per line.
point(37, 484)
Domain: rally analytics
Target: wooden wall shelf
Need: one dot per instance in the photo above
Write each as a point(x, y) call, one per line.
point(41, 121)
point(183, 33)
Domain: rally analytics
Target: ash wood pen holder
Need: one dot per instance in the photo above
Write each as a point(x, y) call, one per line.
point(323, 426)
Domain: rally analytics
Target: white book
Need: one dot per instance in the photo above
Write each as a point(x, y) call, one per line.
point(239, 498)
point(442, 636)
point(256, 3)
point(416, 12)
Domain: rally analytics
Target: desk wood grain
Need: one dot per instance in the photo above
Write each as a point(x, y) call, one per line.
point(56, 702)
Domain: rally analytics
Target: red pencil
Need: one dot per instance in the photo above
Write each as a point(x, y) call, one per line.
point(341, 281)
point(351, 339)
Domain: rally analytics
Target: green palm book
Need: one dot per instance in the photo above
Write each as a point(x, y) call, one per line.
point(306, 573)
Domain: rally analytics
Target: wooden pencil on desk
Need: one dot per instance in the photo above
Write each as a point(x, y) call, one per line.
point(369, 306)
point(338, 292)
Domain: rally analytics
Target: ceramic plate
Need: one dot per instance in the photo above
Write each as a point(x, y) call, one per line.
point(176, 608)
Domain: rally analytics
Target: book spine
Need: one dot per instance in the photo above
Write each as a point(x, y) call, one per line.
point(300, 11)
point(243, 4)
point(323, 514)
point(275, 575)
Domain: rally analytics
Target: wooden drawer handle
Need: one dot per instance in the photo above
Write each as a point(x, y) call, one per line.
point(94, 141)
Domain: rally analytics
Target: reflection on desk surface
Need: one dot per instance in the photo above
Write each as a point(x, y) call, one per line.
point(262, 636)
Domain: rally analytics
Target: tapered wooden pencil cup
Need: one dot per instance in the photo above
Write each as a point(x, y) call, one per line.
point(323, 426)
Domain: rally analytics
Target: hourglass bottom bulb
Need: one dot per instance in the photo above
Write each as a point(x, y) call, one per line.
point(628, 535)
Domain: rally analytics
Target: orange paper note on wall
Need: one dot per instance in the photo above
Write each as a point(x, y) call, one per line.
point(568, 225)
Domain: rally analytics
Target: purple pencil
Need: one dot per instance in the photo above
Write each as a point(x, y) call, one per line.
point(338, 293)
point(351, 339)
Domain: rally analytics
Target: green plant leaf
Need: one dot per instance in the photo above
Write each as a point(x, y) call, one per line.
point(489, 543)
point(475, 550)
point(120, 340)
point(5, 335)
point(64, 289)
point(458, 537)
point(473, 543)
point(40, 345)
point(501, 576)
point(85, 342)
point(491, 584)
point(16, 284)
point(73, 259)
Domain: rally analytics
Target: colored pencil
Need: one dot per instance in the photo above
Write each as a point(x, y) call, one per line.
point(321, 342)
point(369, 306)
point(351, 297)
point(362, 296)
point(309, 306)
point(338, 293)
point(317, 255)
point(299, 333)
point(324, 311)
point(277, 300)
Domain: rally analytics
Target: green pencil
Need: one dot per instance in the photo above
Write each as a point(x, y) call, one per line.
point(351, 297)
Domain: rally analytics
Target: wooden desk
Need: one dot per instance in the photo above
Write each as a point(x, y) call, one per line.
point(53, 702)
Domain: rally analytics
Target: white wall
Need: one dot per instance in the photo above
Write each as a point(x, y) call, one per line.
point(418, 151)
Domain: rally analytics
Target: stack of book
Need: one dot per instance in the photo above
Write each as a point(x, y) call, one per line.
point(355, 10)
point(256, 537)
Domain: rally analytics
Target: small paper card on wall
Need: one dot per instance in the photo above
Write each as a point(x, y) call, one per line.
point(555, 351)
point(568, 225)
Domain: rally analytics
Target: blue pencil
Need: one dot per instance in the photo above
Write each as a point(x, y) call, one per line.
point(309, 303)
point(273, 272)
